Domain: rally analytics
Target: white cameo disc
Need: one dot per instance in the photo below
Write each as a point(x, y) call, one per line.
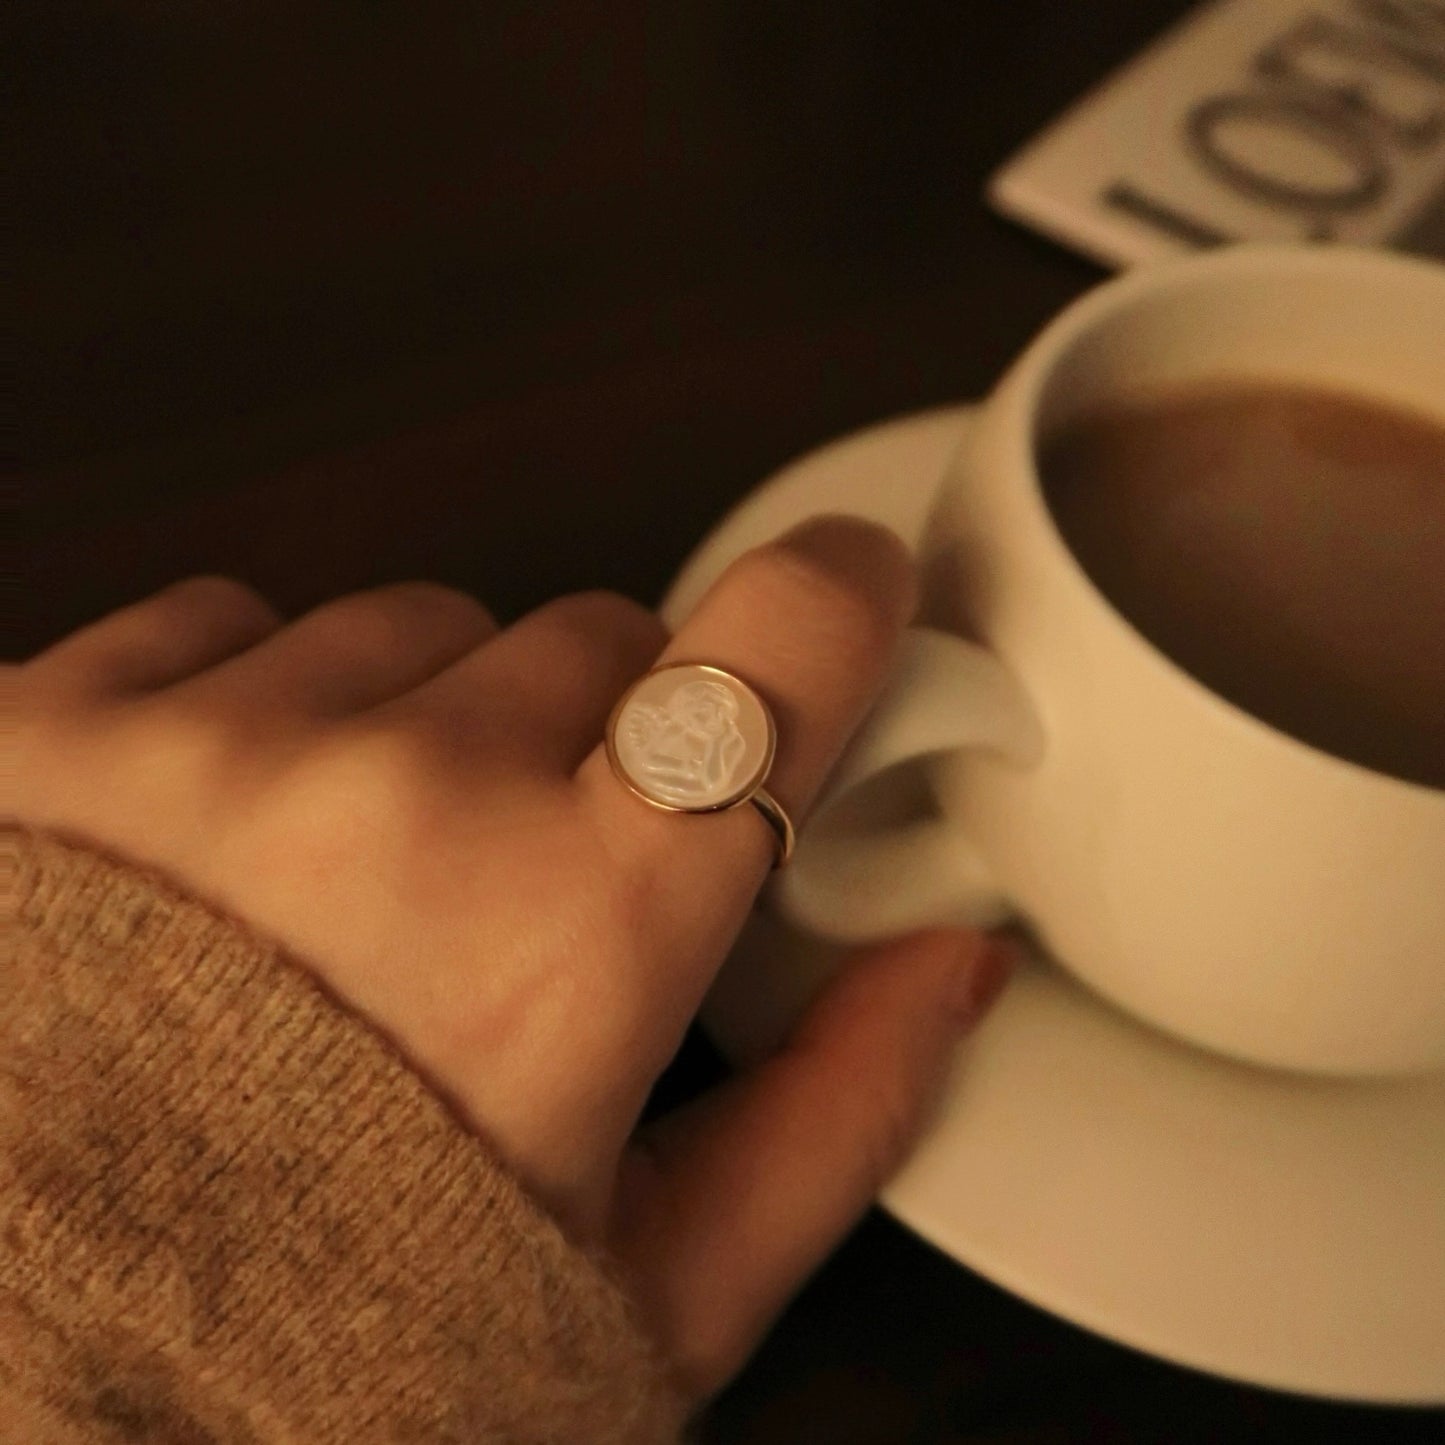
point(691, 738)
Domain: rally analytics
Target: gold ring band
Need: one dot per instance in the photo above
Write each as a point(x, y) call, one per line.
point(777, 819)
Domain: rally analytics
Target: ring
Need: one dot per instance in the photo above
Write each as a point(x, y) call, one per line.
point(691, 738)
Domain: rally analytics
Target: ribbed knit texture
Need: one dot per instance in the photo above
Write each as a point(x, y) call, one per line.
point(229, 1213)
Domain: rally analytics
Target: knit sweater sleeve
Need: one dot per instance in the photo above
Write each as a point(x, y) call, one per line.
point(229, 1212)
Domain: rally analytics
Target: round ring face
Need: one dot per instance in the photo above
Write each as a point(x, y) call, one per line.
point(691, 738)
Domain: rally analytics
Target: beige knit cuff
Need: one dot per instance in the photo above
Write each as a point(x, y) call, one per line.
point(227, 1207)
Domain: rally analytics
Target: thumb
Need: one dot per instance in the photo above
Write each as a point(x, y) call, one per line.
point(727, 1205)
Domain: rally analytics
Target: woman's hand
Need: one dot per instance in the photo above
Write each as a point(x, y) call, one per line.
point(417, 806)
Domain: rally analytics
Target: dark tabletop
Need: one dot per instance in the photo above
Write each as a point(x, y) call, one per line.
point(520, 296)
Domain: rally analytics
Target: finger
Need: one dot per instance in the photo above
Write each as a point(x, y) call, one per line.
point(169, 636)
point(360, 650)
point(810, 621)
point(726, 1206)
point(539, 694)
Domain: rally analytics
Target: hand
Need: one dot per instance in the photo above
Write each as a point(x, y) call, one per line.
point(416, 806)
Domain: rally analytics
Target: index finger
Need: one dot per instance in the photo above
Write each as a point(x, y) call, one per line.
point(809, 622)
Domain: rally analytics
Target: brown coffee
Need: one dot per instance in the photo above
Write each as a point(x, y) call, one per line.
point(1284, 545)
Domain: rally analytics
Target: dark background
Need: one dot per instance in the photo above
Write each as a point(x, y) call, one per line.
point(521, 296)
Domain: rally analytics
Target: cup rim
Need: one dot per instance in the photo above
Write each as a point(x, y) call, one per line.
point(1028, 378)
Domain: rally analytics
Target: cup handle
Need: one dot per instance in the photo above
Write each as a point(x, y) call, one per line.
point(854, 879)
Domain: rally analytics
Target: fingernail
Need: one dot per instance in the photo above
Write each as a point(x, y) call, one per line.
point(980, 979)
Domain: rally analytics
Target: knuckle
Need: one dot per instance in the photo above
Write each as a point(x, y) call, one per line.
point(175, 738)
point(382, 755)
point(361, 779)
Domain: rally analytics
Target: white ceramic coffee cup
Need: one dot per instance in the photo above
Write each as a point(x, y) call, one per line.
point(1203, 871)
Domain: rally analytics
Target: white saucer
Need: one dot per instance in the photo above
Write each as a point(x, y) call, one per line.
point(1277, 1229)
